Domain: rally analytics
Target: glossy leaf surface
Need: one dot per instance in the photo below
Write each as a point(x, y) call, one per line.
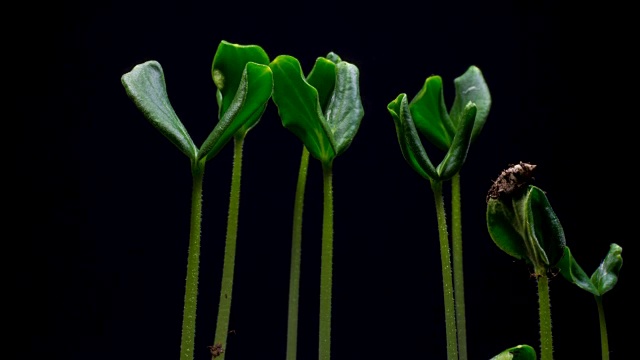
point(430, 114)
point(409, 140)
point(520, 352)
point(526, 227)
point(602, 280)
point(544, 226)
point(146, 86)
point(228, 67)
point(345, 112)
point(324, 110)
point(457, 154)
point(322, 78)
point(571, 271)
point(606, 275)
point(299, 107)
point(471, 87)
point(248, 105)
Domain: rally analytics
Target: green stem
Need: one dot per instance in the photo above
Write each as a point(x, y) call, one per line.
point(546, 344)
point(447, 281)
point(326, 266)
point(224, 309)
point(604, 339)
point(296, 247)
point(458, 274)
point(193, 264)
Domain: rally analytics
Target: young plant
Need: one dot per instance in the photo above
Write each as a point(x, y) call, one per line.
point(601, 281)
point(235, 91)
point(522, 223)
point(324, 111)
point(245, 83)
point(452, 132)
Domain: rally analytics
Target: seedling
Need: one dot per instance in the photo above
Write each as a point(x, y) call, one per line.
point(244, 81)
point(324, 111)
point(452, 132)
point(601, 281)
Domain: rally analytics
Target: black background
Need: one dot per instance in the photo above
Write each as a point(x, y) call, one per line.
point(108, 202)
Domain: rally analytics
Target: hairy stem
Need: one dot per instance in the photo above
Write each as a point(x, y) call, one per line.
point(604, 339)
point(224, 309)
point(546, 343)
point(458, 274)
point(447, 281)
point(193, 265)
point(326, 265)
point(296, 248)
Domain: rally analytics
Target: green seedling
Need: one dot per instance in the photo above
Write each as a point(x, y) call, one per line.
point(324, 111)
point(245, 83)
point(229, 69)
point(452, 132)
point(522, 223)
point(601, 281)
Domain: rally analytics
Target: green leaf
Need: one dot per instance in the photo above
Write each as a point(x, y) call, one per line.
point(526, 227)
point(345, 112)
point(228, 67)
point(457, 154)
point(602, 280)
point(323, 78)
point(545, 226)
point(324, 110)
point(299, 108)
point(520, 352)
point(247, 107)
point(571, 271)
point(471, 86)
point(501, 218)
point(145, 85)
point(430, 115)
point(606, 276)
point(409, 140)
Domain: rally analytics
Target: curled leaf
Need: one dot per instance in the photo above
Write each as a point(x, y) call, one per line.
point(409, 140)
point(227, 69)
point(602, 280)
point(457, 154)
point(571, 271)
point(145, 85)
point(299, 108)
point(324, 110)
point(606, 275)
point(345, 112)
point(526, 227)
point(430, 114)
point(322, 78)
point(471, 87)
point(247, 107)
point(452, 131)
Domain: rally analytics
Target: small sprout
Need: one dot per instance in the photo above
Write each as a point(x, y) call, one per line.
point(603, 278)
point(522, 223)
